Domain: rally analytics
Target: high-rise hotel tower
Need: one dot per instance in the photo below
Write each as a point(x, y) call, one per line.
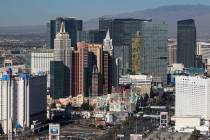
point(61, 67)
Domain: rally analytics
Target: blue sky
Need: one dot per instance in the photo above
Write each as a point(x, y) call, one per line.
point(38, 12)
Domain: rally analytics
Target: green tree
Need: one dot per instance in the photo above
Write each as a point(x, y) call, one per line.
point(53, 105)
point(86, 106)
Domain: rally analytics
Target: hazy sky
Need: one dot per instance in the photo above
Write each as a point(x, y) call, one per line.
point(38, 12)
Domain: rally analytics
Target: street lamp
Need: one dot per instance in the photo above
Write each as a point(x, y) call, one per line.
point(120, 136)
point(69, 137)
point(137, 116)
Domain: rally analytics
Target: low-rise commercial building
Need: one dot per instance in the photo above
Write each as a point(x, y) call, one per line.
point(141, 82)
point(164, 119)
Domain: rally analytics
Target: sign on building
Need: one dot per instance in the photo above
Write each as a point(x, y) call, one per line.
point(54, 131)
point(135, 137)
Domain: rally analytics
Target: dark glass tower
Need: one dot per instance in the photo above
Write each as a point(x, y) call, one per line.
point(57, 79)
point(72, 26)
point(153, 50)
point(51, 33)
point(186, 42)
point(121, 31)
point(123, 54)
point(91, 36)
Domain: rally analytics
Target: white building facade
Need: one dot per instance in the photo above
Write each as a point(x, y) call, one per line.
point(40, 62)
point(143, 82)
point(203, 49)
point(8, 112)
point(192, 100)
point(22, 100)
point(107, 44)
point(192, 96)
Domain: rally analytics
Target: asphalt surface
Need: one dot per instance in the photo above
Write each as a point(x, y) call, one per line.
point(164, 135)
point(79, 130)
point(202, 137)
point(147, 127)
point(134, 126)
point(83, 131)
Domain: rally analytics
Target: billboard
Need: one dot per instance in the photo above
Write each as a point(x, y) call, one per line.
point(54, 129)
point(135, 137)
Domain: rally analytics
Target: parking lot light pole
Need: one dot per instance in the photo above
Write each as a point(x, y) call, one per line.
point(120, 136)
point(137, 116)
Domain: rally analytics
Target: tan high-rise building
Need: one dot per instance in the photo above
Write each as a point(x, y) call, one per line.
point(62, 55)
point(97, 50)
point(172, 45)
point(96, 84)
point(136, 44)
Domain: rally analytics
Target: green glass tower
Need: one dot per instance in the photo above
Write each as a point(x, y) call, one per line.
point(186, 42)
point(57, 79)
point(154, 51)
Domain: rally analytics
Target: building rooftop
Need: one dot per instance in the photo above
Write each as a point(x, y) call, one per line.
point(187, 21)
point(125, 19)
point(20, 76)
point(187, 116)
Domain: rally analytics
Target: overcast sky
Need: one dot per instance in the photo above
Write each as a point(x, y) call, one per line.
point(38, 12)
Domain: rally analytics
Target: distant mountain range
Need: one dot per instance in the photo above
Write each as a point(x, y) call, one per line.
point(30, 29)
point(170, 15)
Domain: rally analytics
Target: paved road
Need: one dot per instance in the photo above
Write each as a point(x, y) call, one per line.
point(133, 126)
point(164, 135)
point(78, 130)
point(81, 131)
point(204, 138)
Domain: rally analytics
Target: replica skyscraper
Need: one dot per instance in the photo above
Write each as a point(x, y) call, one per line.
point(108, 47)
point(107, 64)
point(61, 67)
point(72, 27)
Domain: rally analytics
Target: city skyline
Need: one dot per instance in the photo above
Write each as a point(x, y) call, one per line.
point(103, 70)
point(29, 12)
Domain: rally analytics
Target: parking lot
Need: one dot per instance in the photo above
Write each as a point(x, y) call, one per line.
point(145, 126)
point(81, 131)
point(164, 135)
